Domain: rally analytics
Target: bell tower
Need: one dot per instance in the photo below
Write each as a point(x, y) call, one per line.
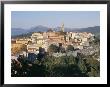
point(62, 27)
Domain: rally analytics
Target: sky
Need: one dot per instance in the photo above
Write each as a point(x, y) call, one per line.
point(52, 19)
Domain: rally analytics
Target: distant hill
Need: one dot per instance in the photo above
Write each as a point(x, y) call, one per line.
point(22, 35)
point(17, 31)
point(40, 28)
point(93, 30)
point(20, 31)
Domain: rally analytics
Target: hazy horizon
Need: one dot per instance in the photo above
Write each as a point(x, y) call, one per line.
point(53, 19)
point(49, 27)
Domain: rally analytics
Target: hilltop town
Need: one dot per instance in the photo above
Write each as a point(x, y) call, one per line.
point(56, 44)
point(45, 39)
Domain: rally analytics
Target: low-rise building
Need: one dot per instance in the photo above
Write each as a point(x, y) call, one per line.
point(31, 48)
point(22, 41)
point(37, 38)
point(18, 45)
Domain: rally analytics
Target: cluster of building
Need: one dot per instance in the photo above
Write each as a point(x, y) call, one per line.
point(45, 39)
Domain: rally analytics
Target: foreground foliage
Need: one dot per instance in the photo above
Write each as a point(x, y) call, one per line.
point(64, 66)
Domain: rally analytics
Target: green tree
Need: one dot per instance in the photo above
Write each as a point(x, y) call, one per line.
point(53, 48)
point(70, 48)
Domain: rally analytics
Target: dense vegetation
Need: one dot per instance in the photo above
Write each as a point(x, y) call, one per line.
point(64, 66)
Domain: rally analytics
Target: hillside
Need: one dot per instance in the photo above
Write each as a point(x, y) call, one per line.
point(93, 30)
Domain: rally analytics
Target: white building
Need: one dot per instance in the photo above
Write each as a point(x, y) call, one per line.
point(32, 48)
point(37, 37)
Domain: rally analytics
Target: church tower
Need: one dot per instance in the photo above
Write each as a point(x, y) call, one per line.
point(62, 27)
